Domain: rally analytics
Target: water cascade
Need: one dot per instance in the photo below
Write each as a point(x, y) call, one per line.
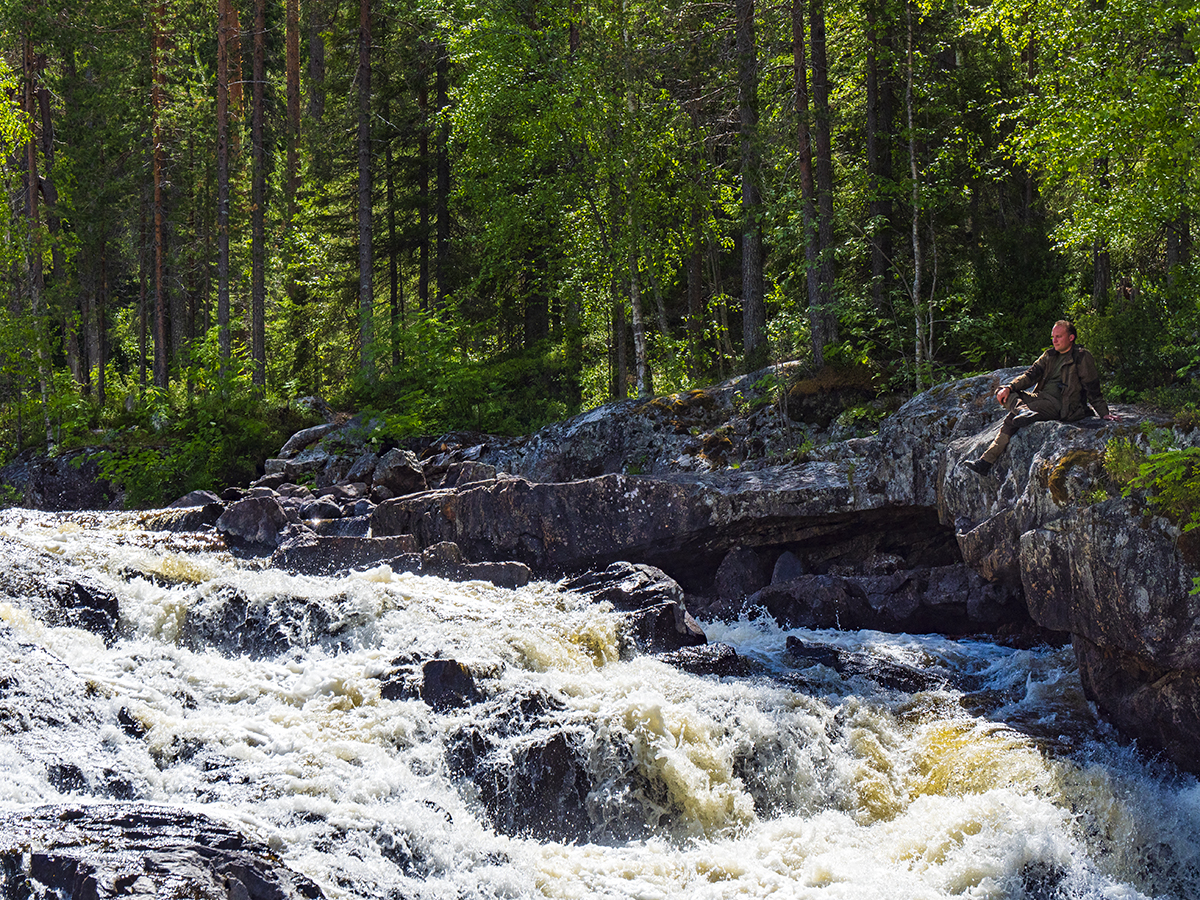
point(157, 670)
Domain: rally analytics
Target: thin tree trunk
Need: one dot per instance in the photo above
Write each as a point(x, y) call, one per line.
point(395, 289)
point(366, 284)
point(316, 62)
point(49, 190)
point(160, 219)
point(100, 353)
point(921, 360)
point(224, 25)
point(812, 247)
point(443, 177)
point(423, 177)
point(754, 323)
point(33, 259)
point(292, 62)
point(879, 151)
point(639, 328)
point(621, 374)
point(823, 167)
point(258, 228)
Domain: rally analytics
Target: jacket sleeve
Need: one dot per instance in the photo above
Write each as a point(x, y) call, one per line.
point(1030, 376)
point(1089, 377)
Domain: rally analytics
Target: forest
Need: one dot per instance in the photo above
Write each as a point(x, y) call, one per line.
point(492, 215)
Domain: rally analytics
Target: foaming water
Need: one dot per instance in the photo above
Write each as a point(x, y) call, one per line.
point(987, 776)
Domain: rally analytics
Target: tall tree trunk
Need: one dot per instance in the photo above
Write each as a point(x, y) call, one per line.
point(99, 352)
point(1101, 258)
point(158, 163)
point(423, 176)
point(292, 64)
point(620, 388)
point(33, 259)
point(258, 217)
point(443, 176)
point(144, 251)
point(754, 318)
point(1179, 247)
point(921, 360)
point(695, 298)
point(879, 148)
point(224, 26)
point(366, 280)
point(316, 62)
point(49, 189)
point(641, 360)
point(395, 288)
point(808, 193)
point(823, 167)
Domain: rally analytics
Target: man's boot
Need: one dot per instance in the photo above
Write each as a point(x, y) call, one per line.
point(983, 465)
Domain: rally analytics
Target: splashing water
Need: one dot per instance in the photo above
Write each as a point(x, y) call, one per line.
point(577, 773)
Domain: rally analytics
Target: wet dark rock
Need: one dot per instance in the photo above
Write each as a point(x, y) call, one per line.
point(787, 567)
point(889, 673)
point(196, 498)
point(466, 472)
point(530, 771)
point(62, 599)
point(445, 560)
point(110, 850)
point(79, 604)
point(1158, 705)
point(448, 684)
point(349, 492)
point(713, 659)
point(183, 519)
point(258, 520)
point(363, 469)
point(657, 620)
point(228, 622)
point(347, 526)
point(293, 491)
point(314, 554)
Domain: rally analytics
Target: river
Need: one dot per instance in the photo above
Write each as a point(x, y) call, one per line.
point(988, 777)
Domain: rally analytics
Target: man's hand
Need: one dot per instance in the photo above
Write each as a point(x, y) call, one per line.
point(1113, 417)
point(1002, 395)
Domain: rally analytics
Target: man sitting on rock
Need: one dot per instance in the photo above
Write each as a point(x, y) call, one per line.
point(1067, 388)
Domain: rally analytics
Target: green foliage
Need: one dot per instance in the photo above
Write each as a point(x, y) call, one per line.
point(172, 444)
point(1168, 476)
point(1122, 460)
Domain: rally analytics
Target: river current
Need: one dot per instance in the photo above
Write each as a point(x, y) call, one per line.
point(988, 777)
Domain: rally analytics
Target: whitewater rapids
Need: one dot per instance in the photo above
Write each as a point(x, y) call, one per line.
point(993, 780)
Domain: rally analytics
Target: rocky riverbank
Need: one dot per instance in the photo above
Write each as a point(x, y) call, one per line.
point(759, 499)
